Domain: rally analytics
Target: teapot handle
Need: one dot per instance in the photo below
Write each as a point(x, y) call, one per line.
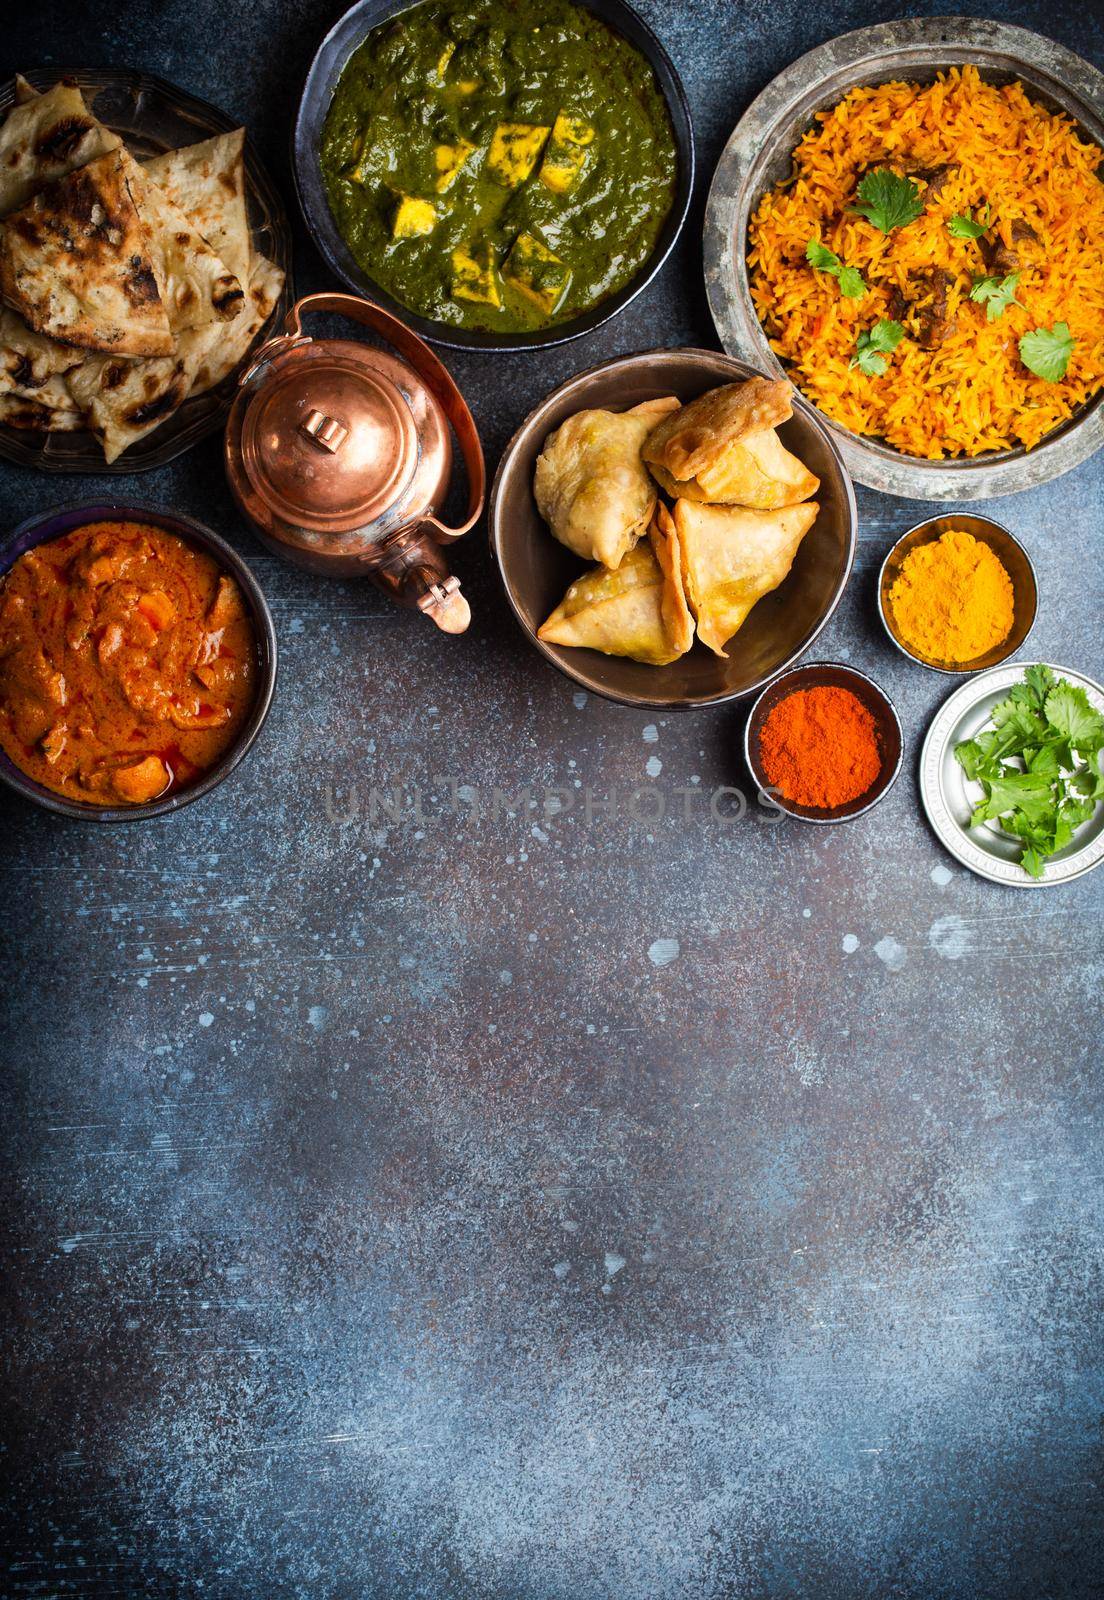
point(429, 368)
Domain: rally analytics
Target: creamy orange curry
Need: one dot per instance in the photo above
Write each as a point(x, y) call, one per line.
point(127, 663)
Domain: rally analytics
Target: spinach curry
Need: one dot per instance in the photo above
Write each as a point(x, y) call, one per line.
point(499, 164)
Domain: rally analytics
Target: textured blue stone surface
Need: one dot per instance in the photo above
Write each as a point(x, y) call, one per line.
point(474, 1207)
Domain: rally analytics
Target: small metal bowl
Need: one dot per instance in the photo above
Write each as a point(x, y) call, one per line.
point(1012, 557)
point(44, 528)
point(834, 675)
point(346, 36)
point(536, 569)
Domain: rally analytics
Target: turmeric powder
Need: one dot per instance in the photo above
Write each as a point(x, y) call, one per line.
point(952, 599)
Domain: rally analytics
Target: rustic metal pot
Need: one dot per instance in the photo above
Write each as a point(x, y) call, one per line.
point(759, 154)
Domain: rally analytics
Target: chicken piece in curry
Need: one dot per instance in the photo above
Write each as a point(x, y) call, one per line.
point(127, 663)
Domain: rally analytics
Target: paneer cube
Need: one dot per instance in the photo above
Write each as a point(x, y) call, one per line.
point(413, 217)
point(536, 272)
point(515, 149)
point(450, 159)
point(473, 276)
point(567, 153)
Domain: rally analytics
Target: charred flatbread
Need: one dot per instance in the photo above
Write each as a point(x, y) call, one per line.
point(76, 262)
point(29, 360)
point(45, 136)
point(197, 286)
point(125, 400)
point(32, 416)
point(207, 182)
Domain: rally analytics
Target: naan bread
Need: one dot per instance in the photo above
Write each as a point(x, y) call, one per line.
point(45, 136)
point(212, 364)
point(125, 400)
point(722, 449)
point(197, 288)
point(591, 486)
point(28, 360)
point(207, 182)
point(35, 417)
point(731, 557)
point(638, 611)
point(76, 262)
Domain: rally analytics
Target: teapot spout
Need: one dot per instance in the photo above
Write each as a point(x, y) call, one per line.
point(412, 570)
point(446, 606)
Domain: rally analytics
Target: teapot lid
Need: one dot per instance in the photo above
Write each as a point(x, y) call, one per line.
point(328, 441)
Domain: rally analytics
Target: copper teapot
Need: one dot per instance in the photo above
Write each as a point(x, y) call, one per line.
point(338, 452)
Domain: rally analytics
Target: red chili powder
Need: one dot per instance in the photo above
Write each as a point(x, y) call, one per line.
point(819, 747)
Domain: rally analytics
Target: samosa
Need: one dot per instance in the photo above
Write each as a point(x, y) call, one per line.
point(731, 557)
point(722, 449)
point(591, 486)
point(638, 610)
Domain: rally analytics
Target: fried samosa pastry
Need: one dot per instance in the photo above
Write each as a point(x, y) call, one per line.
point(731, 557)
point(591, 486)
point(639, 610)
point(77, 262)
point(722, 449)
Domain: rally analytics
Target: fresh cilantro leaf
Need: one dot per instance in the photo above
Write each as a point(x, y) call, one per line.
point(851, 283)
point(819, 256)
point(961, 227)
point(1068, 710)
point(1028, 792)
point(1038, 764)
point(1089, 781)
point(824, 260)
point(888, 201)
point(1046, 351)
point(995, 294)
point(874, 346)
point(1032, 862)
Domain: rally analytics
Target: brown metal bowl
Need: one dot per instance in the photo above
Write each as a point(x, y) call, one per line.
point(828, 674)
point(1012, 557)
point(536, 569)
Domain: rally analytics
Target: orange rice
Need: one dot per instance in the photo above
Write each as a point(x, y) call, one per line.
point(972, 394)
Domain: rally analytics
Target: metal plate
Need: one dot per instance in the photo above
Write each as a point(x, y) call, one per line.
point(151, 116)
point(759, 153)
point(949, 797)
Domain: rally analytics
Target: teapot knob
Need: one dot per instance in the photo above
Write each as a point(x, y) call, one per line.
point(325, 431)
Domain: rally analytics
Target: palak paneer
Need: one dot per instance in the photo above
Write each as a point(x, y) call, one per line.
point(499, 164)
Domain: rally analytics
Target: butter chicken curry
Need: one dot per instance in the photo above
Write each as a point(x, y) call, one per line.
point(127, 663)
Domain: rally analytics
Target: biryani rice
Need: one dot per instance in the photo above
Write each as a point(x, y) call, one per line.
point(973, 393)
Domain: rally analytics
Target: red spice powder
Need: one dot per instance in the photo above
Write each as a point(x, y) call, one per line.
point(819, 747)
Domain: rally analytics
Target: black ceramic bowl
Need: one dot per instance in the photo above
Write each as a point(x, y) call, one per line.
point(41, 530)
point(834, 675)
point(536, 569)
point(346, 36)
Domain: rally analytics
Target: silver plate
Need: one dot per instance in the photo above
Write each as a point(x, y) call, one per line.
point(949, 797)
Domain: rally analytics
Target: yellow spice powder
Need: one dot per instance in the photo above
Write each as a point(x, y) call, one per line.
point(952, 599)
